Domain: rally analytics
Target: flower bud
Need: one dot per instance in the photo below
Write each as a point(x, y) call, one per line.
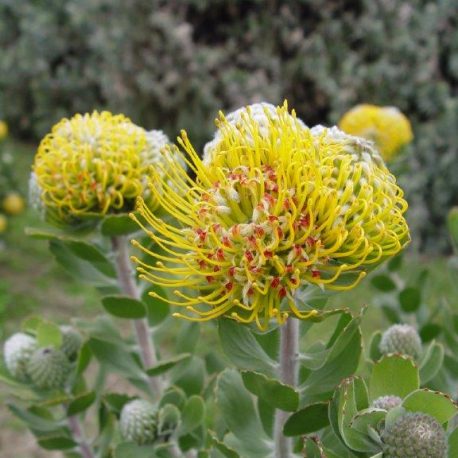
point(386, 402)
point(414, 435)
point(138, 422)
point(401, 338)
point(48, 368)
point(71, 342)
point(17, 352)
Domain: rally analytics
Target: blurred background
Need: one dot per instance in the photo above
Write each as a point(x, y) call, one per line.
point(173, 65)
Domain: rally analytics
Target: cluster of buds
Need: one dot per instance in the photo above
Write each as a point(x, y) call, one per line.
point(403, 339)
point(45, 368)
point(144, 423)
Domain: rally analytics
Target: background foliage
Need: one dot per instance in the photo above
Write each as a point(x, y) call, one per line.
point(173, 64)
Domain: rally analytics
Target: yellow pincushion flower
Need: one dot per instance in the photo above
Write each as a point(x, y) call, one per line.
point(387, 127)
point(94, 164)
point(268, 214)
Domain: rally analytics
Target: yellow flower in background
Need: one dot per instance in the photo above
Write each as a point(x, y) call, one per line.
point(3, 130)
point(13, 204)
point(3, 223)
point(94, 164)
point(271, 212)
point(387, 127)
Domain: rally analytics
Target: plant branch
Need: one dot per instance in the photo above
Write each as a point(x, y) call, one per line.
point(289, 350)
point(127, 283)
point(78, 435)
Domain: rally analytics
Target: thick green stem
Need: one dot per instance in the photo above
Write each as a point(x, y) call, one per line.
point(289, 349)
point(141, 328)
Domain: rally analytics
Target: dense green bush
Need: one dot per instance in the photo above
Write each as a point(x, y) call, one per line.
point(175, 64)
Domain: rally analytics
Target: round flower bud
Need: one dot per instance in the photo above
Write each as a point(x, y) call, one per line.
point(138, 422)
point(168, 420)
point(387, 127)
point(71, 342)
point(401, 338)
point(13, 203)
point(17, 352)
point(414, 435)
point(264, 114)
point(386, 402)
point(48, 368)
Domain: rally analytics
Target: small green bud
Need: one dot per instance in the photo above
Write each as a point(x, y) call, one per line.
point(17, 352)
point(138, 422)
point(71, 342)
point(168, 420)
point(414, 435)
point(386, 402)
point(401, 338)
point(49, 368)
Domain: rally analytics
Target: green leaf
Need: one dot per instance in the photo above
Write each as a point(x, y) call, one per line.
point(166, 364)
point(452, 224)
point(366, 418)
point(117, 358)
point(81, 403)
point(383, 283)
point(391, 314)
point(429, 332)
point(173, 395)
point(432, 362)
point(124, 307)
point(307, 420)
point(453, 442)
point(374, 346)
point(345, 407)
point(275, 393)
point(78, 268)
point(341, 362)
point(222, 447)
point(266, 415)
point(313, 448)
point(187, 338)
point(410, 299)
point(33, 421)
point(193, 415)
point(31, 323)
point(239, 413)
point(115, 225)
point(269, 341)
point(56, 442)
point(49, 335)
point(190, 376)
point(438, 405)
point(243, 349)
point(131, 450)
point(84, 358)
point(156, 310)
point(393, 375)
point(92, 254)
point(395, 263)
point(116, 401)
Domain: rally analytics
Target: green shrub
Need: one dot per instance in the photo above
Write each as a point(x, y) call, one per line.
point(173, 65)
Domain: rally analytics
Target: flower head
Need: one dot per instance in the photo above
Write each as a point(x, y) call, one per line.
point(138, 422)
point(3, 130)
point(271, 213)
point(387, 127)
point(386, 402)
point(415, 435)
point(94, 164)
point(401, 338)
point(17, 352)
